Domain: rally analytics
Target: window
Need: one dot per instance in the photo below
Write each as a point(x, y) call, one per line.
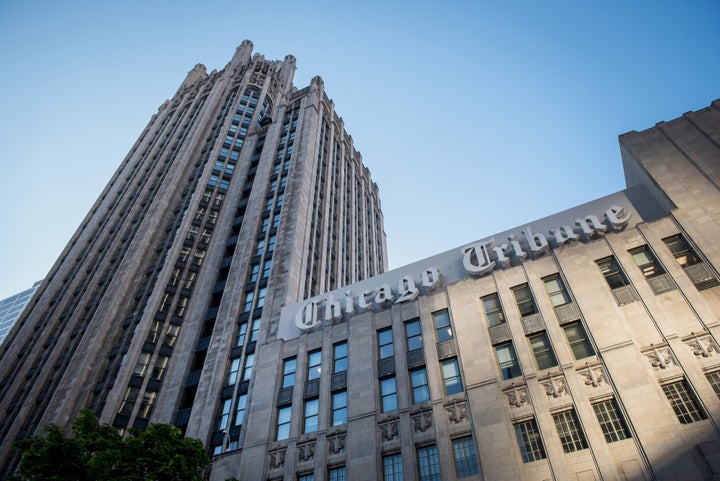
point(340, 357)
point(683, 402)
point(240, 409)
point(233, 373)
point(240, 336)
point(571, 434)
point(714, 380)
point(647, 262)
point(266, 269)
point(254, 273)
point(142, 364)
point(419, 383)
point(289, 372)
point(556, 291)
point(493, 310)
point(339, 408)
point(413, 335)
point(385, 343)
point(247, 305)
point(441, 319)
point(451, 377)
point(314, 365)
point(283, 423)
point(528, 437)
point(159, 369)
point(464, 454)
point(306, 477)
point(255, 330)
point(611, 421)
point(249, 362)
point(128, 403)
point(310, 422)
point(261, 297)
point(428, 463)
point(578, 340)
point(612, 272)
point(392, 467)
point(681, 250)
point(337, 474)
point(388, 394)
point(542, 350)
point(507, 361)
point(224, 414)
point(524, 300)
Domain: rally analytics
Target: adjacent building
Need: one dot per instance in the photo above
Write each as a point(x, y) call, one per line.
point(231, 280)
point(11, 308)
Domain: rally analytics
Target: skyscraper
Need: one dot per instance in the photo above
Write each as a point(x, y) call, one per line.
point(12, 307)
point(241, 195)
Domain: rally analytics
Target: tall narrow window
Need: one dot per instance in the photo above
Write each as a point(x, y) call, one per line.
point(224, 414)
point(413, 335)
point(464, 453)
point(419, 383)
point(160, 366)
point(385, 343)
point(529, 441)
point(340, 357)
point(614, 276)
point(525, 301)
point(289, 372)
point(240, 409)
point(646, 261)
point(578, 340)
point(571, 434)
point(428, 463)
point(444, 331)
point(507, 361)
point(310, 424)
point(314, 368)
point(556, 291)
point(233, 371)
point(683, 402)
point(283, 423)
point(255, 330)
point(611, 421)
point(141, 367)
point(129, 401)
point(714, 380)
point(392, 467)
point(247, 371)
point(493, 310)
point(542, 350)
point(339, 408)
point(451, 377)
point(240, 336)
point(388, 394)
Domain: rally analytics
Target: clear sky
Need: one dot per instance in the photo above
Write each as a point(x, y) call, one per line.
point(474, 117)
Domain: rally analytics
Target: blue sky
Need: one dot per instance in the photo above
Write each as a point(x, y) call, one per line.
point(473, 117)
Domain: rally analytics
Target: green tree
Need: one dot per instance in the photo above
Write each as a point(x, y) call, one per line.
point(98, 452)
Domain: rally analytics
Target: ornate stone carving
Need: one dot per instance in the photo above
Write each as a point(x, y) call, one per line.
point(422, 421)
point(457, 411)
point(659, 357)
point(336, 443)
point(306, 451)
point(701, 344)
point(516, 396)
point(277, 458)
point(592, 375)
point(389, 429)
point(554, 386)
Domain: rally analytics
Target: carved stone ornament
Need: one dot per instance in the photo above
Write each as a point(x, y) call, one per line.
point(592, 375)
point(554, 386)
point(702, 345)
point(306, 451)
point(336, 443)
point(659, 357)
point(457, 411)
point(277, 458)
point(517, 396)
point(422, 421)
point(390, 430)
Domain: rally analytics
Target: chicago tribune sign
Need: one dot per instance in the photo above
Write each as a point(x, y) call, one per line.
point(478, 259)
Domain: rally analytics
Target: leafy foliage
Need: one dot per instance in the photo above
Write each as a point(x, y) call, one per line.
point(98, 452)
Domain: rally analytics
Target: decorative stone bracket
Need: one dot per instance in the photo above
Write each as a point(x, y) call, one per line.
point(660, 357)
point(422, 421)
point(389, 429)
point(517, 396)
point(592, 375)
point(555, 386)
point(277, 458)
point(702, 344)
point(457, 411)
point(336, 443)
point(306, 451)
